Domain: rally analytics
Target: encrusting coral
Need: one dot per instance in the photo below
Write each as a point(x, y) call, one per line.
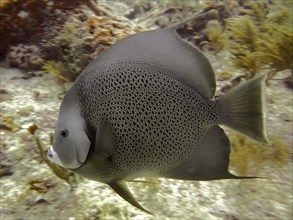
point(24, 56)
point(64, 37)
point(82, 38)
point(23, 21)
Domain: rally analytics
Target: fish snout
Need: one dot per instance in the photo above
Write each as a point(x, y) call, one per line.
point(53, 156)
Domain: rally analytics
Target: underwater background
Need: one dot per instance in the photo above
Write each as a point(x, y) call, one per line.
point(46, 43)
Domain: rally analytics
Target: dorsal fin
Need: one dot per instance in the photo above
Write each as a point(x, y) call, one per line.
point(164, 48)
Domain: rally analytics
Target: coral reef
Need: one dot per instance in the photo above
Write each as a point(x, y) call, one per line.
point(65, 50)
point(207, 30)
point(161, 13)
point(82, 38)
point(105, 31)
point(24, 56)
point(70, 35)
point(30, 189)
point(24, 21)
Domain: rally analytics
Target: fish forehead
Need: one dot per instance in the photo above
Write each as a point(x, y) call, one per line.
point(156, 119)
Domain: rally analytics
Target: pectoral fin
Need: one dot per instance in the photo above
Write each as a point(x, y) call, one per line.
point(105, 142)
point(121, 189)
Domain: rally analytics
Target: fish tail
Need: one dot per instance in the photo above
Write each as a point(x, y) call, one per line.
point(242, 108)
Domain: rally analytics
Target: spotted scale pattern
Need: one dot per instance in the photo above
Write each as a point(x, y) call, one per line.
point(157, 121)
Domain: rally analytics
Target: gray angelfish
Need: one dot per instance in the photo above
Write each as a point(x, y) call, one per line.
point(145, 107)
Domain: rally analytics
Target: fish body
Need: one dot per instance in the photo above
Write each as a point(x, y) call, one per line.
point(145, 107)
point(157, 121)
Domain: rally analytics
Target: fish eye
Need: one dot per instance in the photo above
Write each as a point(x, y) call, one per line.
point(64, 133)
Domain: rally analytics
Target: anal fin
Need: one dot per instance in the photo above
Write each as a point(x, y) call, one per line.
point(209, 160)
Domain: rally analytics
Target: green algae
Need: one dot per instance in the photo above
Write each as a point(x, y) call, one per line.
point(261, 38)
point(216, 35)
point(57, 69)
point(244, 35)
point(249, 157)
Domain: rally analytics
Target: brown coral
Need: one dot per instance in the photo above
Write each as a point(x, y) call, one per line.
point(24, 56)
point(23, 21)
point(83, 37)
point(69, 35)
point(105, 31)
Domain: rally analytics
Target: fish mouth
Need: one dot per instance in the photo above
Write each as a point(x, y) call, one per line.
point(53, 156)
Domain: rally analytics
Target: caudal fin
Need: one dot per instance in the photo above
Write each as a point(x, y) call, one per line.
point(243, 108)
